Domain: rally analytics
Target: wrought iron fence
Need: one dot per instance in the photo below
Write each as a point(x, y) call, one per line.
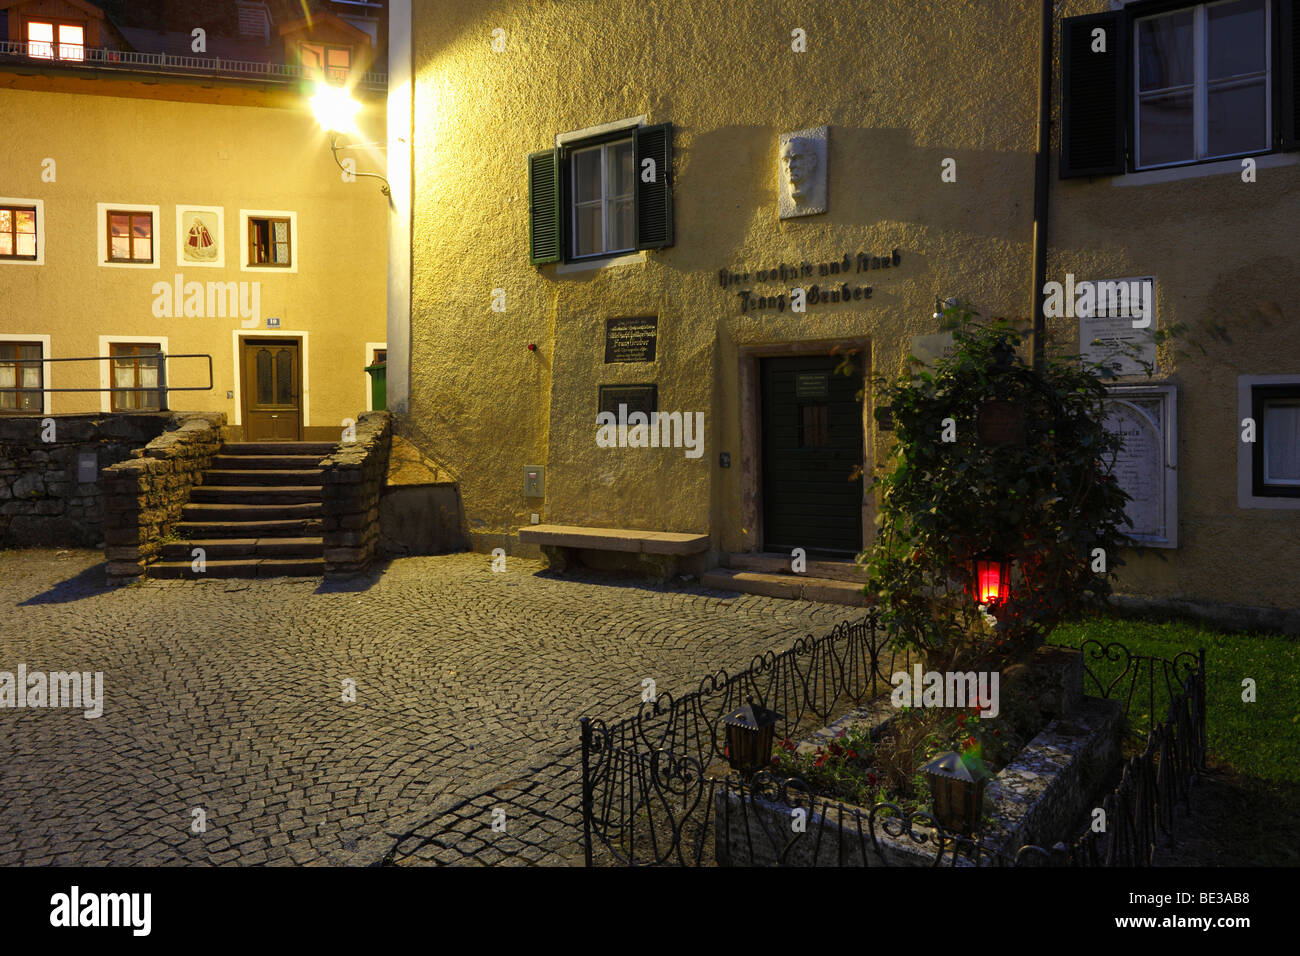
point(654, 792)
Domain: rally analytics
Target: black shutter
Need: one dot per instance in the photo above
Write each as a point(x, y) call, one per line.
point(654, 200)
point(1288, 50)
point(1094, 95)
point(544, 206)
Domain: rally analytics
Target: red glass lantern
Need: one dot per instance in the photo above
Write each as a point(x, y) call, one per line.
point(991, 579)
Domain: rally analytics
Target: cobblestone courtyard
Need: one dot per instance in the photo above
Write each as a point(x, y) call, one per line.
point(227, 696)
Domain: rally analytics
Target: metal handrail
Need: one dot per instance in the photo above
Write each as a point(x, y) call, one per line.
point(160, 359)
point(96, 57)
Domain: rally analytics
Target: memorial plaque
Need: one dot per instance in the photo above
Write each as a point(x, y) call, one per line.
point(1142, 467)
point(1107, 334)
point(631, 339)
point(637, 398)
point(811, 386)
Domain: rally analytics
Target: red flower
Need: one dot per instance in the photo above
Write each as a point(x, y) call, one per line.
point(961, 718)
point(972, 742)
point(821, 761)
point(996, 732)
point(853, 753)
point(871, 779)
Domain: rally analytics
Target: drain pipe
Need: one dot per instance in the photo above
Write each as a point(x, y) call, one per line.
point(1042, 169)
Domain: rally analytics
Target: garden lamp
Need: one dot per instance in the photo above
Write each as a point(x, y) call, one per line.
point(957, 794)
point(990, 578)
point(750, 732)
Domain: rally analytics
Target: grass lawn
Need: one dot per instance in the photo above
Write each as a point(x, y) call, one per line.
point(1246, 811)
point(1257, 739)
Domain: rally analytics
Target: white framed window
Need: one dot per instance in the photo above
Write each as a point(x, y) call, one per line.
point(602, 199)
point(24, 377)
point(1268, 468)
point(268, 240)
point(129, 366)
point(1203, 83)
point(50, 40)
point(128, 235)
point(22, 231)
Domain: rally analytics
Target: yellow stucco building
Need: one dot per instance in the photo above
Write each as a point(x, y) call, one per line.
point(613, 203)
point(166, 187)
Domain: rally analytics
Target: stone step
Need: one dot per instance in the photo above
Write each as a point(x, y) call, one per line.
point(283, 528)
point(223, 462)
point(255, 494)
point(240, 568)
point(790, 586)
point(770, 562)
point(317, 448)
point(245, 548)
point(276, 476)
point(245, 512)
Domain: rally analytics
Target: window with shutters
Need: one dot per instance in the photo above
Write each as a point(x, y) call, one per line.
point(601, 196)
point(1162, 83)
point(1203, 83)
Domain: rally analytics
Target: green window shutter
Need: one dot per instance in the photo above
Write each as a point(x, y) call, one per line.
point(654, 200)
point(1288, 73)
point(1094, 96)
point(544, 206)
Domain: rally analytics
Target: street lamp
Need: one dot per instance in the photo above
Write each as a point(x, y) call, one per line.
point(990, 578)
point(336, 111)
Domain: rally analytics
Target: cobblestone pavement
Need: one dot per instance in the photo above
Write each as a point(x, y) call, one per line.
point(226, 697)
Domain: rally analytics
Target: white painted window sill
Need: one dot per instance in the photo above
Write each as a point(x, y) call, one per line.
point(1177, 173)
point(595, 265)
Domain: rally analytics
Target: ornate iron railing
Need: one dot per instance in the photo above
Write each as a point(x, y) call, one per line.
point(36, 53)
point(653, 792)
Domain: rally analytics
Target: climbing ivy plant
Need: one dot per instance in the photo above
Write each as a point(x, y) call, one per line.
point(1049, 503)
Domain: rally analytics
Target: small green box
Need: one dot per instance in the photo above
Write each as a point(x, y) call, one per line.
point(378, 386)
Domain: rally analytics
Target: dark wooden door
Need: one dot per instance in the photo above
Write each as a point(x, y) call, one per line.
point(272, 390)
point(812, 444)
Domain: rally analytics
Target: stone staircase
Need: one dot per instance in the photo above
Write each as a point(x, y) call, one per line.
point(257, 514)
point(831, 582)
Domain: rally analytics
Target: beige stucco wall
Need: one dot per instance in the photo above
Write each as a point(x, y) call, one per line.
point(730, 84)
point(902, 86)
point(1222, 251)
point(121, 149)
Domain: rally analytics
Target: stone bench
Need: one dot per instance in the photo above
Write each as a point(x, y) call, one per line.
point(661, 554)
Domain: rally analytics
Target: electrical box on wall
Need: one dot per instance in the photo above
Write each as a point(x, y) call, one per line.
point(534, 481)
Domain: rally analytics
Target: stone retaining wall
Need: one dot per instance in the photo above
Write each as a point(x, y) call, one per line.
point(144, 496)
point(43, 499)
point(353, 482)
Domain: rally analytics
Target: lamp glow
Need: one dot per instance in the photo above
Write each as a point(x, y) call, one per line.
point(991, 579)
point(335, 110)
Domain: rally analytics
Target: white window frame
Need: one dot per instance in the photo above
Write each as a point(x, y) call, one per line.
point(1246, 498)
point(605, 199)
point(39, 205)
point(101, 234)
point(106, 366)
point(1201, 88)
point(247, 214)
point(46, 395)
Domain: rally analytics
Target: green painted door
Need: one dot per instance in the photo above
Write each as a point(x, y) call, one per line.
point(812, 444)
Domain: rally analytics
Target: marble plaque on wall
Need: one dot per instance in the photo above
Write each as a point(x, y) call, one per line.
point(1144, 467)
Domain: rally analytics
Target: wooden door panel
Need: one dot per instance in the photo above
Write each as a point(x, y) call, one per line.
point(272, 392)
point(811, 443)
